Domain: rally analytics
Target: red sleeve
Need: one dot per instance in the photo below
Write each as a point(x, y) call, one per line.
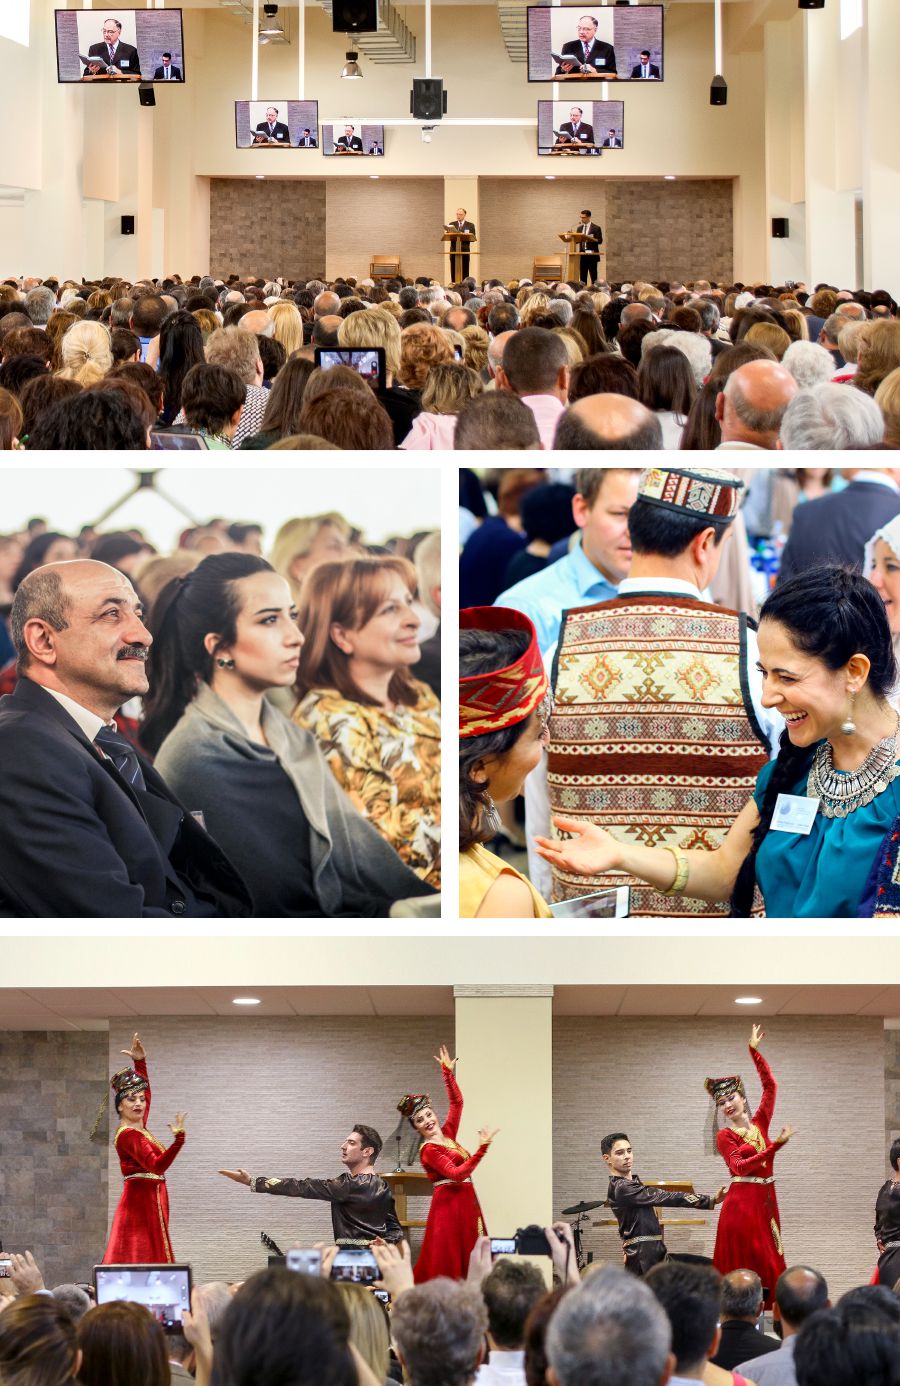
point(435, 1159)
point(729, 1143)
point(454, 1115)
point(140, 1066)
point(766, 1109)
point(144, 1152)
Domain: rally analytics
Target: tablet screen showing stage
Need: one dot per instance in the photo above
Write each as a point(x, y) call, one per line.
point(118, 45)
point(580, 128)
point(352, 139)
point(611, 43)
point(164, 1290)
point(276, 124)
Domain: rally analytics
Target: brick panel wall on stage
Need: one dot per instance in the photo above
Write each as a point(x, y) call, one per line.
point(891, 1091)
point(521, 218)
point(277, 1097)
point(645, 1076)
point(680, 230)
point(267, 227)
point(393, 216)
point(52, 1176)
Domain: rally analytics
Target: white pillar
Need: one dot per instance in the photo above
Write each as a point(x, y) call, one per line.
point(830, 212)
point(881, 169)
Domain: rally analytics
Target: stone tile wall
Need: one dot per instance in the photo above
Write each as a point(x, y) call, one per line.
point(267, 227)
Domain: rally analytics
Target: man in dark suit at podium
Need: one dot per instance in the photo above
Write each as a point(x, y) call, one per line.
point(273, 128)
point(349, 141)
point(460, 262)
point(645, 71)
point(578, 130)
point(589, 267)
point(167, 72)
point(612, 140)
point(587, 51)
point(112, 52)
point(307, 140)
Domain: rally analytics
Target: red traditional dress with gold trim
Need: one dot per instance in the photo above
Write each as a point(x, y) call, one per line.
point(748, 1235)
point(140, 1230)
point(455, 1220)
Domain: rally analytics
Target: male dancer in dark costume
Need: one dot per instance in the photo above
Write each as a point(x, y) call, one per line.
point(362, 1205)
point(633, 1205)
point(887, 1224)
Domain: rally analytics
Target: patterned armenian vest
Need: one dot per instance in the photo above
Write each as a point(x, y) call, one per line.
point(653, 734)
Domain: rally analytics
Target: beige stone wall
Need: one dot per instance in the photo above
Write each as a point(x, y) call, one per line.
point(403, 216)
point(267, 227)
point(680, 230)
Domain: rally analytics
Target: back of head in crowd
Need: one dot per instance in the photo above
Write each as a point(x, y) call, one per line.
point(609, 1331)
point(285, 1329)
point(438, 1330)
point(37, 1343)
point(510, 1292)
point(122, 1343)
point(857, 1343)
point(691, 1296)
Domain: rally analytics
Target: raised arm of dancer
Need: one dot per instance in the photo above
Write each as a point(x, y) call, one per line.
point(729, 1143)
point(138, 1056)
point(766, 1109)
point(143, 1151)
point(448, 1072)
point(711, 875)
point(436, 1159)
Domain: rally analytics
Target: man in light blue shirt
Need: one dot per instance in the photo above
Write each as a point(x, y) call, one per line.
point(592, 570)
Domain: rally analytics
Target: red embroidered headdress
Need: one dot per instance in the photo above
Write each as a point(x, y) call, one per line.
point(490, 702)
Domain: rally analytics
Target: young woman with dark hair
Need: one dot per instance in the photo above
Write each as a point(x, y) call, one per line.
point(828, 667)
point(666, 385)
point(37, 1343)
point(222, 638)
point(502, 730)
point(122, 1344)
point(378, 725)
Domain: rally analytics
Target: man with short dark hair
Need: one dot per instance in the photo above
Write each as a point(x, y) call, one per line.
point(799, 1292)
point(645, 71)
point(536, 368)
point(498, 421)
point(90, 828)
point(857, 1343)
point(742, 1304)
point(887, 1223)
point(503, 317)
point(362, 1205)
point(510, 1292)
point(689, 1294)
point(147, 317)
point(167, 72)
point(633, 1206)
point(590, 241)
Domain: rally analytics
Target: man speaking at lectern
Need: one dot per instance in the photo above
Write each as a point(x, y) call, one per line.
point(587, 53)
point(460, 224)
point(350, 141)
point(112, 52)
point(590, 258)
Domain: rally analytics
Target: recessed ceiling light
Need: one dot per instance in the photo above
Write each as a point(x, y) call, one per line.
point(550, 177)
point(748, 1000)
point(374, 175)
point(260, 175)
point(245, 1001)
point(669, 177)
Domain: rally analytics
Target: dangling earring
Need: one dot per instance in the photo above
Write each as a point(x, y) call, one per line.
point(492, 817)
point(848, 726)
point(229, 664)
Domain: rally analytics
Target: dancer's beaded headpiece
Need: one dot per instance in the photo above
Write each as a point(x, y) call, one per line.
point(720, 1088)
point(704, 492)
point(124, 1084)
point(411, 1103)
point(504, 697)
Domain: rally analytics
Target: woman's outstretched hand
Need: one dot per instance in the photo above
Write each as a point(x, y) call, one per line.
point(443, 1058)
point(784, 1135)
point(757, 1035)
point(137, 1052)
point(589, 851)
point(178, 1124)
point(486, 1135)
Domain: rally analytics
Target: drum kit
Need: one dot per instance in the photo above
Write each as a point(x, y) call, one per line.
point(579, 1211)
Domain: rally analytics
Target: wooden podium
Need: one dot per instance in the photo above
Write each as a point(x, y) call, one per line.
point(672, 1186)
point(404, 1185)
point(108, 77)
point(458, 243)
point(577, 245)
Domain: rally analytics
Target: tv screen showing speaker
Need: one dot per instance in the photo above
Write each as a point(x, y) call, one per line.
point(278, 124)
point(117, 45)
point(612, 43)
point(350, 138)
point(580, 128)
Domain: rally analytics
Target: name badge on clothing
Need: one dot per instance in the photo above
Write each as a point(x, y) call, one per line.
point(794, 813)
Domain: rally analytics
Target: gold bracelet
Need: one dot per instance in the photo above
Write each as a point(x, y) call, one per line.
point(682, 870)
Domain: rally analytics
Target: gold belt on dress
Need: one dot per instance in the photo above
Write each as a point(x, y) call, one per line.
point(158, 1178)
point(751, 1179)
point(440, 1182)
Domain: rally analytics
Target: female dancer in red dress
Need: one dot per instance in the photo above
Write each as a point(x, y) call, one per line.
point(749, 1232)
point(454, 1218)
point(140, 1230)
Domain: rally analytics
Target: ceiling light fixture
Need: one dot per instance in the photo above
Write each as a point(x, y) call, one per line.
point(748, 1000)
point(351, 66)
point(245, 1001)
point(427, 132)
point(270, 24)
point(669, 177)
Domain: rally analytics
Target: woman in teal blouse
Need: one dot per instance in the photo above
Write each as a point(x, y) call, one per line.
point(827, 661)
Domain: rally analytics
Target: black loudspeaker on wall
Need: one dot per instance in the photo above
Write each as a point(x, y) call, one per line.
point(354, 16)
point(780, 228)
point(146, 94)
point(128, 226)
point(428, 100)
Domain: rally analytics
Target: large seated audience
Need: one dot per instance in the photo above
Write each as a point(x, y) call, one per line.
point(290, 703)
point(700, 365)
point(501, 1326)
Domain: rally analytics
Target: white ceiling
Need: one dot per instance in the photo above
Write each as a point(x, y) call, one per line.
point(83, 1008)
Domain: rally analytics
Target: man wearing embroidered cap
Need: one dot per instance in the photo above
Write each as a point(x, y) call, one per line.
point(658, 729)
point(502, 729)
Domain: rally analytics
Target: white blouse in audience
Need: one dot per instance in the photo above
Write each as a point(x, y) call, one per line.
point(672, 425)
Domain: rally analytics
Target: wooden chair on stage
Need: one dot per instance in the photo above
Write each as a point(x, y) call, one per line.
point(384, 267)
point(547, 267)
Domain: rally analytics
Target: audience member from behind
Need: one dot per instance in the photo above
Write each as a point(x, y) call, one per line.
point(666, 385)
point(604, 422)
point(369, 1331)
point(799, 1293)
point(74, 789)
point(121, 1344)
point(604, 374)
point(496, 421)
point(377, 724)
point(491, 547)
point(609, 1331)
point(239, 351)
point(857, 1343)
point(11, 422)
point(536, 368)
point(37, 1343)
point(547, 520)
point(350, 419)
point(742, 1304)
point(510, 1292)
point(282, 416)
point(91, 421)
point(212, 402)
point(446, 391)
point(828, 416)
point(689, 1294)
point(438, 1330)
point(223, 637)
point(282, 1328)
point(752, 405)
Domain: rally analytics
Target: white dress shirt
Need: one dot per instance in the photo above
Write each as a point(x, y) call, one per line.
point(88, 721)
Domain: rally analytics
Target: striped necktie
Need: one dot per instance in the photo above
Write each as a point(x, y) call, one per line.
point(124, 757)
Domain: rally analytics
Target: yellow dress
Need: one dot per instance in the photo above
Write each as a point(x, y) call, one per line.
point(389, 763)
point(478, 870)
